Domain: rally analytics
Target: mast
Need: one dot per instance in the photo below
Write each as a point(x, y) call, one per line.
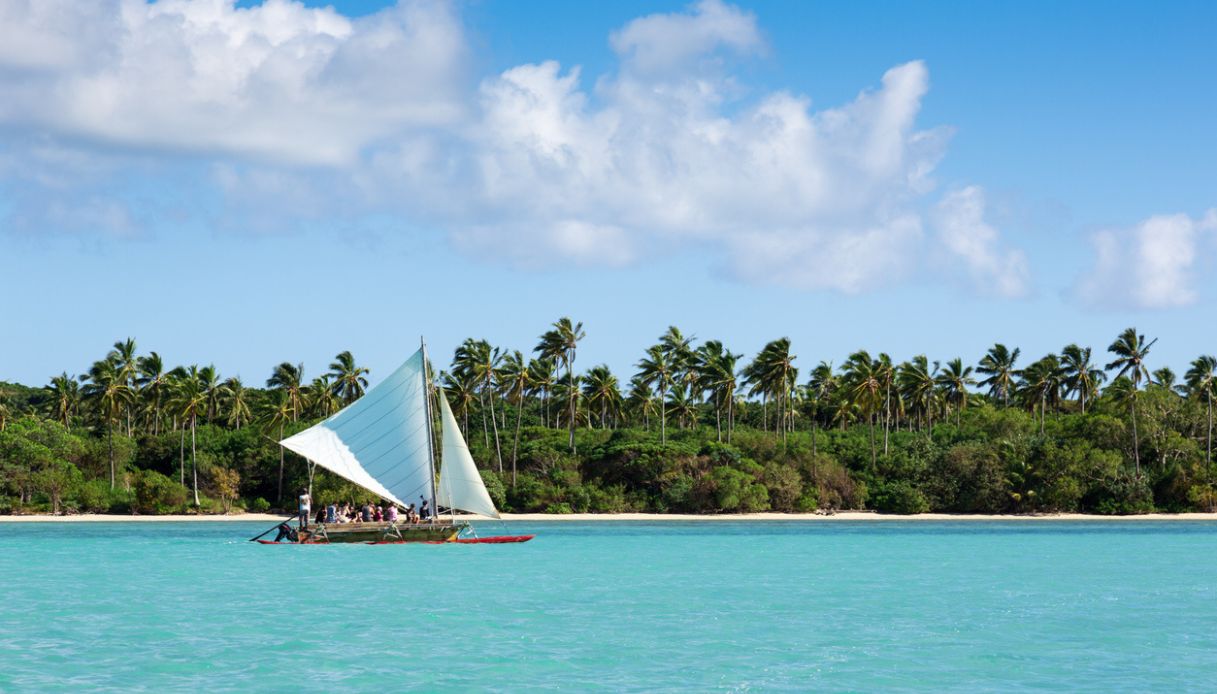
point(430, 435)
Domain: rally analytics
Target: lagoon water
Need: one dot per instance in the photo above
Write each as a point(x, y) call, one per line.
point(616, 606)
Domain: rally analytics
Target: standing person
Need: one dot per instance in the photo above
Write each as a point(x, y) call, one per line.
point(306, 503)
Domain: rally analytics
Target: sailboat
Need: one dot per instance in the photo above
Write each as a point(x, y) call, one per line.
point(383, 442)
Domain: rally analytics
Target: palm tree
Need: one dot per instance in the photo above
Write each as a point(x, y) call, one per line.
point(715, 368)
point(1165, 378)
point(321, 397)
point(998, 365)
point(1042, 383)
point(1201, 380)
point(887, 377)
point(600, 391)
point(821, 386)
point(462, 393)
point(680, 352)
point(479, 361)
point(65, 397)
point(772, 374)
point(641, 400)
point(290, 380)
point(109, 391)
point(514, 378)
point(126, 362)
point(681, 404)
point(864, 381)
point(953, 381)
point(1131, 349)
point(152, 382)
point(236, 401)
point(541, 382)
point(1081, 376)
point(656, 371)
point(918, 387)
point(349, 380)
point(559, 344)
point(278, 413)
point(189, 399)
point(213, 390)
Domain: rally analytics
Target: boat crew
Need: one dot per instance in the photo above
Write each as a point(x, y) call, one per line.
point(306, 503)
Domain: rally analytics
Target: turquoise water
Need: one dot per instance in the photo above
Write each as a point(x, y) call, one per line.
point(915, 606)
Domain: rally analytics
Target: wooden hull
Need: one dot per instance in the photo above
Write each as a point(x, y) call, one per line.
point(381, 532)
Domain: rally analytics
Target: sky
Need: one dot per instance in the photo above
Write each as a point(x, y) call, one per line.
point(263, 182)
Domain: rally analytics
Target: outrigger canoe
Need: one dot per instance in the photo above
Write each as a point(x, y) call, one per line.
point(384, 442)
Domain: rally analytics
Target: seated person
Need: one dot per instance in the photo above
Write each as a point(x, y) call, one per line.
point(320, 515)
point(391, 513)
point(331, 513)
point(286, 532)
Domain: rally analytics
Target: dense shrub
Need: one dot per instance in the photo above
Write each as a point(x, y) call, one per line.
point(157, 494)
point(898, 497)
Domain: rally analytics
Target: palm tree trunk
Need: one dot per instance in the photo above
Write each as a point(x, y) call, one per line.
point(813, 438)
point(718, 417)
point(570, 378)
point(873, 457)
point(1208, 454)
point(887, 416)
point(280, 464)
point(181, 457)
point(1043, 411)
point(516, 445)
point(1136, 446)
point(110, 445)
point(485, 429)
point(663, 416)
point(194, 467)
point(498, 453)
point(730, 415)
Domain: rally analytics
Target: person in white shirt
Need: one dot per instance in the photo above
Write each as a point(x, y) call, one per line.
point(306, 504)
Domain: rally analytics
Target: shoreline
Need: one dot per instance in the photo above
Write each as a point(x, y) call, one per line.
point(839, 517)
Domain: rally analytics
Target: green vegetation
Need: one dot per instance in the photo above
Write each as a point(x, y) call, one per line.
point(694, 430)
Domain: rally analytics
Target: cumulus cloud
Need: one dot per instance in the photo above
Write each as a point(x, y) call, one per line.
point(278, 81)
point(964, 233)
point(294, 112)
point(1151, 265)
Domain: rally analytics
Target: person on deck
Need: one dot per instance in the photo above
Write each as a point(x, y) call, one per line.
point(424, 513)
point(320, 516)
point(391, 513)
point(306, 503)
point(331, 513)
point(378, 514)
point(286, 532)
point(366, 512)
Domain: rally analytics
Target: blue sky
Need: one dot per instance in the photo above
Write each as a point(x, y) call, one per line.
point(247, 186)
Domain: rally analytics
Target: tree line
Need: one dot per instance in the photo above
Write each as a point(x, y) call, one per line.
point(870, 432)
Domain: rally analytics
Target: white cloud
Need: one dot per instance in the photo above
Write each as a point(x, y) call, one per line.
point(277, 81)
point(1151, 265)
point(660, 43)
point(963, 232)
point(292, 113)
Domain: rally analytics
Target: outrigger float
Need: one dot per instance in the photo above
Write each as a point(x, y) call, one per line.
point(384, 443)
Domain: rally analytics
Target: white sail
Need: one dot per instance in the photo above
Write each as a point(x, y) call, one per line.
point(460, 484)
point(381, 441)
